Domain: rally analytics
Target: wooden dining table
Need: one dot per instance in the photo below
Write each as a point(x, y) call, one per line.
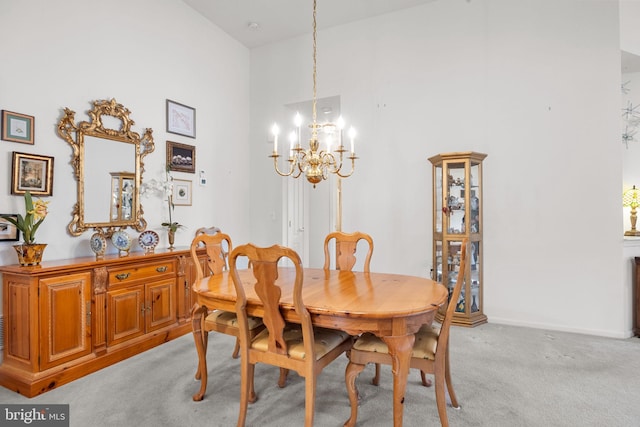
point(391, 306)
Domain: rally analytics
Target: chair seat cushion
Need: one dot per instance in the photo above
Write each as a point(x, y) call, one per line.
point(325, 341)
point(229, 318)
point(423, 348)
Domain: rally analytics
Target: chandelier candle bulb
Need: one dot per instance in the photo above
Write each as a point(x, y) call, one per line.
point(352, 136)
point(340, 124)
point(292, 140)
point(275, 131)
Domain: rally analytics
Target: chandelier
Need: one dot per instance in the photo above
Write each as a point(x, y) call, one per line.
point(319, 160)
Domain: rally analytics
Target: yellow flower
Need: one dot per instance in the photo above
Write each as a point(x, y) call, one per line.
point(39, 210)
point(36, 211)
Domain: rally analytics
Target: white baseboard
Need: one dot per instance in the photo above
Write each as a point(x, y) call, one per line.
point(596, 332)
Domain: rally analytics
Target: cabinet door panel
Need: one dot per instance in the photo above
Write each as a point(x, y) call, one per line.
point(161, 300)
point(125, 314)
point(65, 328)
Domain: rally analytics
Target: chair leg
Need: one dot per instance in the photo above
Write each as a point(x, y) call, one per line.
point(282, 381)
point(246, 380)
point(439, 373)
point(351, 373)
point(309, 400)
point(425, 381)
point(252, 391)
point(200, 336)
point(447, 376)
point(236, 349)
point(376, 379)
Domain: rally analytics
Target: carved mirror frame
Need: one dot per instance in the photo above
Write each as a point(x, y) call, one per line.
point(75, 134)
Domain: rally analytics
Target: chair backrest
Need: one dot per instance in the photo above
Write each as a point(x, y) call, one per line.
point(346, 244)
point(455, 295)
point(216, 253)
point(264, 263)
point(207, 230)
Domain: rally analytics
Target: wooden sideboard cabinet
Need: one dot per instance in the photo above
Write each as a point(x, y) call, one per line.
point(65, 319)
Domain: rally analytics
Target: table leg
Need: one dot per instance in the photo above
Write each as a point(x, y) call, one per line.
point(400, 348)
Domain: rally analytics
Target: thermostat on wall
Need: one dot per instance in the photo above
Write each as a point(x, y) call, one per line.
point(203, 178)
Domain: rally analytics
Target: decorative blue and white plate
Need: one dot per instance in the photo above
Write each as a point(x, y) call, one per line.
point(121, 240)
point(98, 244)
point(148, 240)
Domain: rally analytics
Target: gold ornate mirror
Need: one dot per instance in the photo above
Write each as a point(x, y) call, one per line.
point(107, 161)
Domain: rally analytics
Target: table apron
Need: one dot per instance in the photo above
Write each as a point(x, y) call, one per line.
point(354, 325)
point(381, 326)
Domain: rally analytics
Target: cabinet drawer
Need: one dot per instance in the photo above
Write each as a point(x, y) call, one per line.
point(141, 272)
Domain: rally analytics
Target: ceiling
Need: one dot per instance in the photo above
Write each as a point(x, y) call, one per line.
point(275, 20)
point(258, 22)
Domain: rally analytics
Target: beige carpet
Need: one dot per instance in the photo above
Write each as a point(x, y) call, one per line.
point(503, 376)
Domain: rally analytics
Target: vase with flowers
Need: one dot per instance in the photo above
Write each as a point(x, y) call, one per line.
point(29, 252)
point(164, 189)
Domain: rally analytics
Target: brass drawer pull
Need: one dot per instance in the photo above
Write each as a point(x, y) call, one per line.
point(161, 269)
point(122, 276)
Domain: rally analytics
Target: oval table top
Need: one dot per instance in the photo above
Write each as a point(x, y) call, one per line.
point(353, 294)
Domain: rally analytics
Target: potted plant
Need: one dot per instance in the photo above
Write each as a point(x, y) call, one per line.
point(164, 188)
point(29, 252)
point(172, 226)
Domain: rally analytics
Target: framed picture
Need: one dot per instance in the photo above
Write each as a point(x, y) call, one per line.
point(181, 119)
point(182, 192)
point(8, 232)
point(32, 172)
point(17, 127)
point(181, 157)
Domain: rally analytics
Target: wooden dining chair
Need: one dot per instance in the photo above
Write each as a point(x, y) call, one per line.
point(430, 354)
point(346, 244)
point(204, 320)
point(298, 346)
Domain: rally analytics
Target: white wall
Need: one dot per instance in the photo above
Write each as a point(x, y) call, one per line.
point(534, 84)
point(67, 53)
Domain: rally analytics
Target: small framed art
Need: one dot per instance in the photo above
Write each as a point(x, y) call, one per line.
point(33, 173)
point(8, 232)
point(17, 127)
point(181, 119)
point(181, 157)
point(182, 192)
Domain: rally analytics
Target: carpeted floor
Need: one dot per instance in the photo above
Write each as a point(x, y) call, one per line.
point(503, 376)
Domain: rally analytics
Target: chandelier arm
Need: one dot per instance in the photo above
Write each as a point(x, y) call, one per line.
point(353, 167)
point(302, 163)
point(331, 164)
point(291, 166)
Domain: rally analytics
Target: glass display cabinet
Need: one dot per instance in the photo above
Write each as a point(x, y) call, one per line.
point(457, 213)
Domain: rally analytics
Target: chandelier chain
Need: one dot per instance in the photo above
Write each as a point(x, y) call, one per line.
point(315, 48)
